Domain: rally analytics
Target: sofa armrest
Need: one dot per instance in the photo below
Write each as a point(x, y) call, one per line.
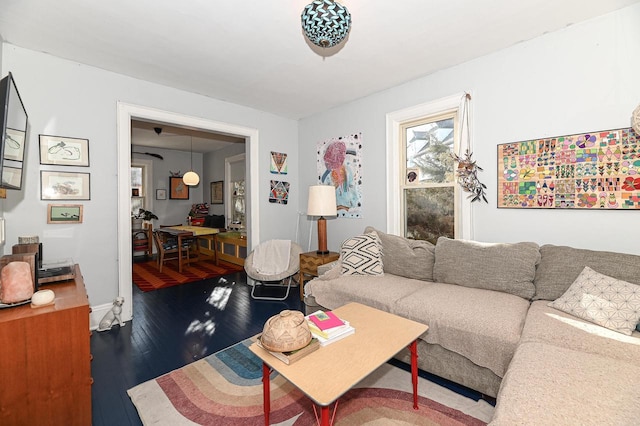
point(323, 269)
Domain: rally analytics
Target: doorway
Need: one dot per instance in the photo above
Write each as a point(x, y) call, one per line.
point(128, 112)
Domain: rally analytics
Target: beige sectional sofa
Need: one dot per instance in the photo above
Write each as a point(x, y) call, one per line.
point(491, 329)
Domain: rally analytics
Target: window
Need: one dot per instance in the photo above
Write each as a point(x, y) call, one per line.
point(140, 190)
point(428, 190)
point(423, 199)
point(137, 189)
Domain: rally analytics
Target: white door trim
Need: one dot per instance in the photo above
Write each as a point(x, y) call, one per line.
point(127, 112)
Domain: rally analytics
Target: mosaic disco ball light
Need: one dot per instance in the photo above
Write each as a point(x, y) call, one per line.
point(325, 23)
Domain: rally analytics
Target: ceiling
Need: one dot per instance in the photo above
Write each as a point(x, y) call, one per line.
point(165, 136)
point(253, 52)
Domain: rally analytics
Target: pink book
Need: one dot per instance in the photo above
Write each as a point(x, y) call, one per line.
point(326, 320)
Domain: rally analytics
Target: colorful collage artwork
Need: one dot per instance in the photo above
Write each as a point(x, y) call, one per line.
point(339, 163)
point(279, 192)
point(278, 163)
point(599, 170)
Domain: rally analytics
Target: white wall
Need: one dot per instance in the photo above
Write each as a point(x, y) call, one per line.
point(214, 171)
point(580, 79)
point(69, 99)
point(171, 212)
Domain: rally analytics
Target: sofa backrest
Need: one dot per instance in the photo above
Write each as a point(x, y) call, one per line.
point(406, 257)
point(560, 266)
point(505, 267)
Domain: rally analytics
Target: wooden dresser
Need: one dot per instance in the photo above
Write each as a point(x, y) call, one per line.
point(45, 360)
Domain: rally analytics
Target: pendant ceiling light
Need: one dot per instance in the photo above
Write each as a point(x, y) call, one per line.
point(191, 178)
point(325, 22)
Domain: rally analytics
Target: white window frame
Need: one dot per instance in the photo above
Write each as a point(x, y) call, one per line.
point(147, 181)
point(394, 169)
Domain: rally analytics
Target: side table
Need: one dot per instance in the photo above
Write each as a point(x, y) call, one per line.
point(309, 263)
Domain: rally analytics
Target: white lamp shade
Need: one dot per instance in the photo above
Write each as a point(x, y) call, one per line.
point(322, 201)
point(191, 178)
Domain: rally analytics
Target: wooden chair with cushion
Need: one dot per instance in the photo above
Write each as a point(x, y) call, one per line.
point(192, 243)
point(168, 248)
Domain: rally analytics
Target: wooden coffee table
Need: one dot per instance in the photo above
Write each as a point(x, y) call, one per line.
point(328, 373)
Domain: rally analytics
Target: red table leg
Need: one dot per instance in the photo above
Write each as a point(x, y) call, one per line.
point(266, 392)
point(324, 416)
point(413, 347)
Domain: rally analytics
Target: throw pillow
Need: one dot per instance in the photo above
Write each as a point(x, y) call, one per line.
point(406, 257)
point(558, 268)
point(361, 255)
point(506, 267)
point(603, 300)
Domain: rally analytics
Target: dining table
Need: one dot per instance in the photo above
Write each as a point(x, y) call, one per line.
point(189, 231)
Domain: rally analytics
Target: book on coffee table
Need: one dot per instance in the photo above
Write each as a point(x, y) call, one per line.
point(331, 334)
point(325, 320)
point(290, 357)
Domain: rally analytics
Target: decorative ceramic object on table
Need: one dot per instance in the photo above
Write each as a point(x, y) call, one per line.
point(287, 331)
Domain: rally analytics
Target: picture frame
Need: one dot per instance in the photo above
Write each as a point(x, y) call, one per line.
point(64, 213)
point(14, 147)
point(12, 176)
point(217, 192)
point(64, 151)
point(178, 190)
point(161, 194)
point(583, 171)
point(64, 185)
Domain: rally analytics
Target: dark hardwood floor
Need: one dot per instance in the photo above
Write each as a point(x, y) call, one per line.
point(173, 327)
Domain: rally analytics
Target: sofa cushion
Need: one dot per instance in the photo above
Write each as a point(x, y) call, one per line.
point(602, 300)
point(482, 325)
point(361, 255)
point(406, 257)
point(509, 268)
point(545, 324)
point(560, 266)
point(552, 385)
point(380, 293)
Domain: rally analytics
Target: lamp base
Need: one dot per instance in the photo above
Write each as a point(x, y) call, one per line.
point(322, 252)
point(322, 236)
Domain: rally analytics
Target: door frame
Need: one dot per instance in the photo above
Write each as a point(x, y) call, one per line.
point(127, 112)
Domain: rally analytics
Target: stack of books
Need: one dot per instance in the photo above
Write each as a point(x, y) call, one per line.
point(327, 327)
point(292, 356)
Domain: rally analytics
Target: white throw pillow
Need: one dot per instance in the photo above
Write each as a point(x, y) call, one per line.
point(361, 255)
point(603, 300)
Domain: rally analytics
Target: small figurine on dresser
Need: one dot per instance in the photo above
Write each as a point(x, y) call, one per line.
point(112, 315)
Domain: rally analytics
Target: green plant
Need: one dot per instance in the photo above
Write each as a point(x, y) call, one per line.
point(144, 215)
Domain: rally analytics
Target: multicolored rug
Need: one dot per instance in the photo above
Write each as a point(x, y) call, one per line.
point(147, 277)
point(226, 389)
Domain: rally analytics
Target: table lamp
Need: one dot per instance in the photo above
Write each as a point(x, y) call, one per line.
point(322, 202)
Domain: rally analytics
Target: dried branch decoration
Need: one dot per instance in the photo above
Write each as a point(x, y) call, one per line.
point(467, 171)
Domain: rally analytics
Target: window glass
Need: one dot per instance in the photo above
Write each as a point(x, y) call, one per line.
point(428, 181)
point(137, 189)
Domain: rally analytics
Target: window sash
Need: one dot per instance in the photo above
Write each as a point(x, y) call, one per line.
point(428, 232)
point(394, 177)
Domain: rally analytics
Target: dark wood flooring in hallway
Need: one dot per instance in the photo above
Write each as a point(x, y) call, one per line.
point(173, 327)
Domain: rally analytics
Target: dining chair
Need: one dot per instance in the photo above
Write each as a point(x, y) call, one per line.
point(191, 242)
point(168, 248)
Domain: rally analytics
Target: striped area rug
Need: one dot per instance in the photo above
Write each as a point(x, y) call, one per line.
point(147, 277)
point(226, 389)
